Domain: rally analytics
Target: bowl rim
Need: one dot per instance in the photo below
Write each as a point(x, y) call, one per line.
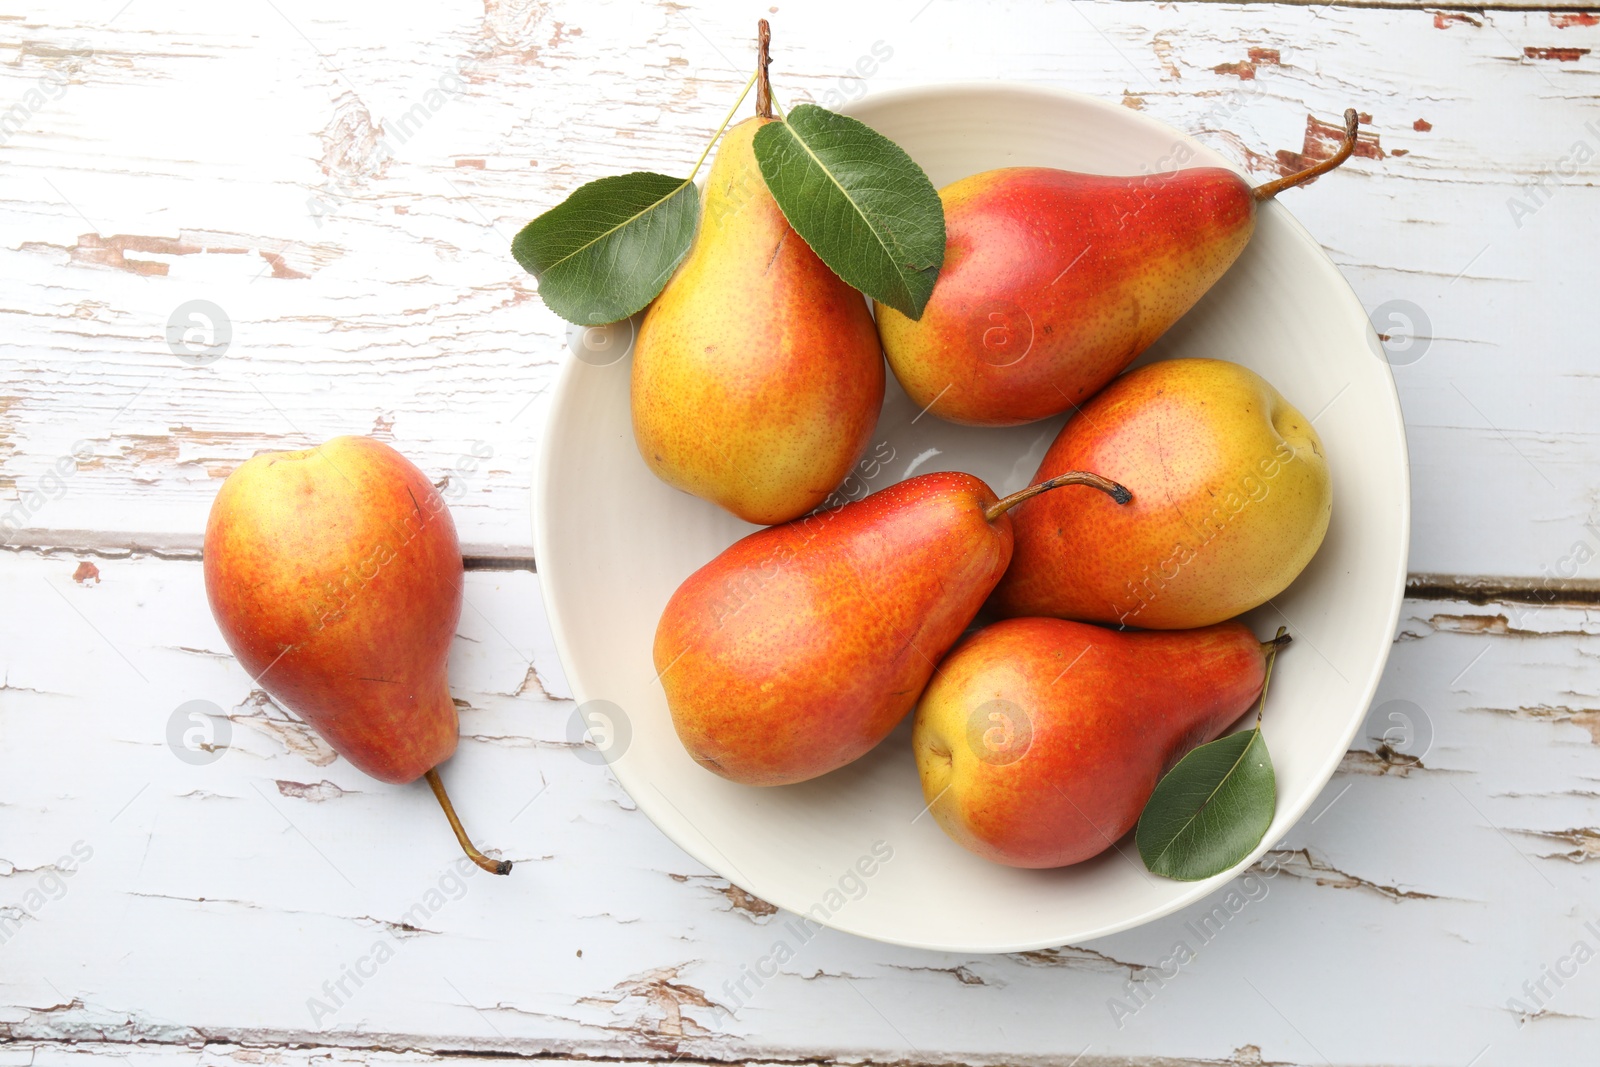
point(694, 842)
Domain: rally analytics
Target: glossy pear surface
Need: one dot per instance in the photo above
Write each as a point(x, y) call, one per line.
point(801, 646)
point(1231, 499)
point(335, 576)
point(1053, 282)
point(757, 374)
point(1040, 740)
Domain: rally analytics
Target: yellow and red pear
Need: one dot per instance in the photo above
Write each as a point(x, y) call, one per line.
point(1040, 740)
point(757, 374)
point(1054, 281)
point(335, 576)
point(801, 646)
point(1231, 499)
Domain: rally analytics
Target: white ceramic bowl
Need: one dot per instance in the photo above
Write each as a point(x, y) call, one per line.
point(612, 544)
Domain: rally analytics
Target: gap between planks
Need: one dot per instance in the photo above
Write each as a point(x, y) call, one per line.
point(1477, 589)
point(315, 1048)
point(186, 548)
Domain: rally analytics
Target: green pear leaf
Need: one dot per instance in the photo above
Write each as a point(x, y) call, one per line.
point(605, 251)
point(1211, 810)
point(864, 206)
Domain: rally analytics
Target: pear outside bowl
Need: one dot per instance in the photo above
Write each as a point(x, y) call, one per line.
point(853, 849)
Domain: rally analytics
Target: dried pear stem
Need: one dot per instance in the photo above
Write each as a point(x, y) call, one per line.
point(1105, 485)
point(492, 866)
point(1271, 649)
point(1273, 188)
point(1277, 642)
point(763, 61)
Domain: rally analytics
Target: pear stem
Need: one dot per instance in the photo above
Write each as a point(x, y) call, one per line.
point(1271, 189)
point(1283, 638)
point(763, 61)
point(1105, 485)
point(492, 866)
point(1271, 649)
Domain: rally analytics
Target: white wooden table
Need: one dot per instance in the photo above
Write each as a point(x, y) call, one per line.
point(162, 904)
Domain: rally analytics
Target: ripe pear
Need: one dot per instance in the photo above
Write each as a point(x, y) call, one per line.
point(1054, 281)
point(757, 374)
point(1040, 740)
point(801, 646)
point(1231, 500)
point(335, 577)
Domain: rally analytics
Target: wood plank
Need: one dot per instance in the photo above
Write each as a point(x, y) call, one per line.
point(197, 153)
point(218, 897)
